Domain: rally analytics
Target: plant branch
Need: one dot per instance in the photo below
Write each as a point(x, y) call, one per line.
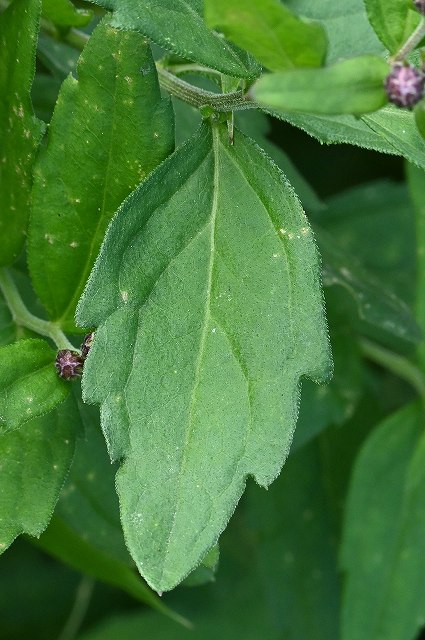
point(411, 42)
point(200, 98)
point(395, 363)
point(25, 318)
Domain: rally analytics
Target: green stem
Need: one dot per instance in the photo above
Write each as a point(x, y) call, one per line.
point(25, 318)
point(411, 42)
point(187, 92)
point(79, 609)
point(395, 363)
point(200, 98)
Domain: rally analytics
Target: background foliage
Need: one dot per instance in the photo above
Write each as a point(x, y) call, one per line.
point(205, 290)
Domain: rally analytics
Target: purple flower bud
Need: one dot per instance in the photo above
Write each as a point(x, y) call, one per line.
point(87, 343)
point(420, 5)
point(69, 364)
point(405, 85)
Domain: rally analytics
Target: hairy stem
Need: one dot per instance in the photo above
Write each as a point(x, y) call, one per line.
point(199, 98)
point(395, 363)
point(411, 42)
point(24, 318)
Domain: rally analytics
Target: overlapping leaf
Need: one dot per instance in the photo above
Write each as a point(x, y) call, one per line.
point(35, 461)
point(178, 26)
point(393, 21)
point(384, 533)
point(20, 131)
point(114, 127)
point(273, 34)
point(211, 296)
point(347, 26)
point(29, 383)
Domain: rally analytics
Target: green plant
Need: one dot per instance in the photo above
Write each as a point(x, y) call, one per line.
point(193, 273)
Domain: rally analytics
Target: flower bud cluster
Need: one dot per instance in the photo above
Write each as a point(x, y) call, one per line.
point(69, 364)
point(405, 85)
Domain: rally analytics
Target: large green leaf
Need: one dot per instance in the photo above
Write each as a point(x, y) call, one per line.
point(384, 533)
point(20, 131)
point(178, 26)
point(34, 463)
point(115, 129)
point(352, 86)
point(211, 297)
point(416, 181)
point(393, 21)
point(273, 34)
point(29, 383)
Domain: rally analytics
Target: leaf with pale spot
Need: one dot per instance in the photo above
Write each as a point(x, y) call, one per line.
point(110, 128)
point(34, 464)
point(209, 308)
point(20, 131)
point(29, 383)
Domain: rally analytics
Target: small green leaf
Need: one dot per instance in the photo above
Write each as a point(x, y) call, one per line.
point(178, 26)
point(267, 29)
point(393, 21)
point(20, 131)
point(353, 86)
point(65, 14)
point(35, 461)
point(29, 383)
point(384, 529)
point(202, 392)
point(115, 128)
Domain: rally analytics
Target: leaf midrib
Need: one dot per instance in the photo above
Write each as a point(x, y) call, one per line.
point(202, 342)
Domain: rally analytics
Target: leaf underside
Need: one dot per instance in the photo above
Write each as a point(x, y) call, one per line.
point(208, 282)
